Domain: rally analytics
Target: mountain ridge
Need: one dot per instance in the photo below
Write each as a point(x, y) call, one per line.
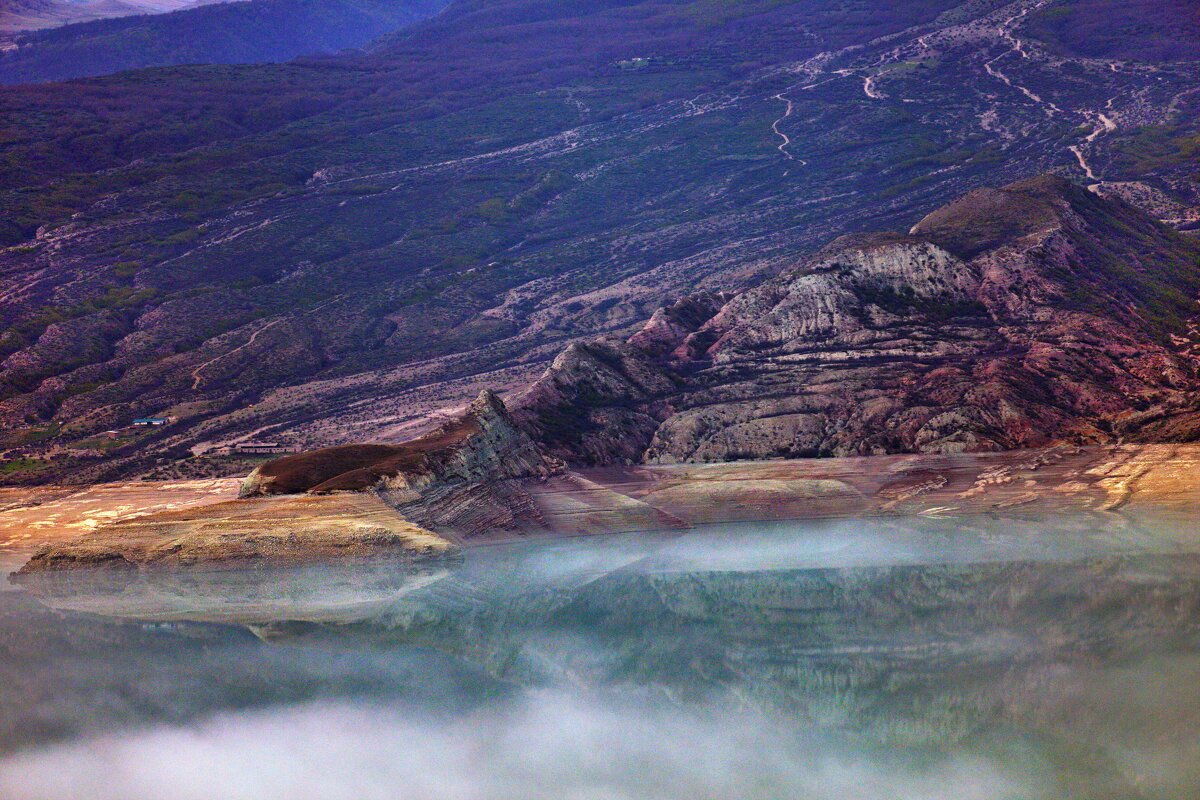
point(894, 343)
point(244, 32)
point(964, 335)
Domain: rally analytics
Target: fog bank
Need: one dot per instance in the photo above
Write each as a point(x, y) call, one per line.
point(551, 745)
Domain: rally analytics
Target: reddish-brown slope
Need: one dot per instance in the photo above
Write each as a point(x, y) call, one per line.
point(1013, 317)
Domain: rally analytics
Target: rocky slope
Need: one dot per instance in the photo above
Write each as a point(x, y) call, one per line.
point(1032, 315)
point(462, 476)
point(1014, 317)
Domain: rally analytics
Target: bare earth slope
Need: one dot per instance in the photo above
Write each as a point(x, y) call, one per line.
point(26, 15)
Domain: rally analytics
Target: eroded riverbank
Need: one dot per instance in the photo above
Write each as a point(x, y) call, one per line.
point(198, 522)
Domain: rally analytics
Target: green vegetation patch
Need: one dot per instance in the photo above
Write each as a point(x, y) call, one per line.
point(19, 465)
point(1154, 148)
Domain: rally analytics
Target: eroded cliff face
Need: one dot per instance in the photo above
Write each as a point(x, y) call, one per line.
point(483, 444)
point(463, 478)
point(1015, 317)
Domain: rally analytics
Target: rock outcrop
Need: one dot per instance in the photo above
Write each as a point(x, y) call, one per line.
point(414, 500)
point(461, 477)
point(1017, 317)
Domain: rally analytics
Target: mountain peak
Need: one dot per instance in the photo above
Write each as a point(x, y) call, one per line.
point(987, 218)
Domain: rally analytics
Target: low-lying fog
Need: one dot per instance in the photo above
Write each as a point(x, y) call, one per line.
point(548, 745)
point(985, 658)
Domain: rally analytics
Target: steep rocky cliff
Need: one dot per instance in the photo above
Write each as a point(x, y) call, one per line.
point(1013, 317)
point(459, 477)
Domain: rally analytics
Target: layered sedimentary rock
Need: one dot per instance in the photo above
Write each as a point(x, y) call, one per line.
point(461, 477)
point(1017, 317)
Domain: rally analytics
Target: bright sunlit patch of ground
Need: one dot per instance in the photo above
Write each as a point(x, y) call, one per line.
point(33, 516)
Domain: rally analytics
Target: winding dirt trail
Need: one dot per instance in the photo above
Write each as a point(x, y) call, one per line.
point(1101, 124)
point(1017, 46)
point(196, 372)
point(870, 90)
point(868, 86)
point(1083, 162)
point(783, 146)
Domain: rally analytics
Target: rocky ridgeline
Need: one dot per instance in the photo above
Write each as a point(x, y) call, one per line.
point(1015, 317)
point(462, 476)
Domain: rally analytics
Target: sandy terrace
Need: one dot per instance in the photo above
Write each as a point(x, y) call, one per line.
point(31, 517)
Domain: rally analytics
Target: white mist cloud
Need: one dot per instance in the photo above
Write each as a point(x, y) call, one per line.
point(550, 747)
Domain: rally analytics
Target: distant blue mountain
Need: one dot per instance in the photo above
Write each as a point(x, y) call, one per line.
point(259, 31)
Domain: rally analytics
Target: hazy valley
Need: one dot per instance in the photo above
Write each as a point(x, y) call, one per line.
point(600, 398)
